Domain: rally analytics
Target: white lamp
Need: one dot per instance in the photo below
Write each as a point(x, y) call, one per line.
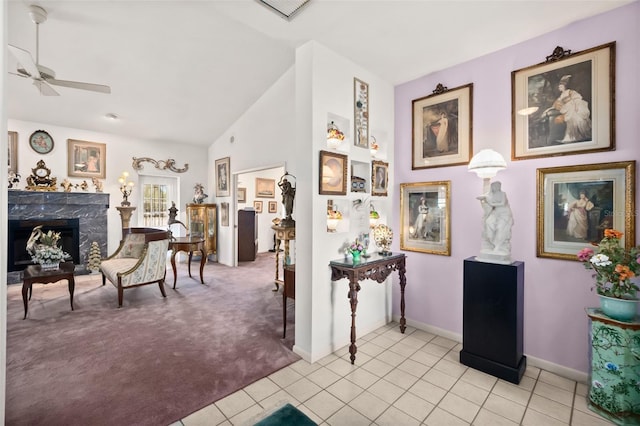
point(486, 164)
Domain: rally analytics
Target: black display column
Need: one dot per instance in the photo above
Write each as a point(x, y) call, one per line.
point(492, 319)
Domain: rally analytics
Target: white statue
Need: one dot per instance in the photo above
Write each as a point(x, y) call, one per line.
point(497, 222)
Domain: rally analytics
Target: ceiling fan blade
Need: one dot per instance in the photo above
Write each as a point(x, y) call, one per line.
point(79, 85)
point(18, 74)
point(25, 59)
point(44, 88)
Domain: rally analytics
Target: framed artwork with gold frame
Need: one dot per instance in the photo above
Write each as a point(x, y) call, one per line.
point(86, 159)
point(12, 145)
point(265, 188)
point(333, 173)
point(257, 206)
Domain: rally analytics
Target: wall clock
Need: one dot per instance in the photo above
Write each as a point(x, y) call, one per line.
point(41, 142)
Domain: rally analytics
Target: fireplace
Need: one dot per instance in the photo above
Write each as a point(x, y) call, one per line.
point(19, 231)
point(87, 209)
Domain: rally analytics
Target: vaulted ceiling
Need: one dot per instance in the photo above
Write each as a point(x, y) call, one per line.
point(184, 71)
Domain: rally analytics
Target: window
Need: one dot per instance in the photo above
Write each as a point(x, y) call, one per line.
point(157, 194)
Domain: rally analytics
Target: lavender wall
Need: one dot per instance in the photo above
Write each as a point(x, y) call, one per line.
point(556, 291)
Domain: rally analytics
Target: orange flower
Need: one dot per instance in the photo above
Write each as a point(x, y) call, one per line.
point(612, 233)
point(624, 272)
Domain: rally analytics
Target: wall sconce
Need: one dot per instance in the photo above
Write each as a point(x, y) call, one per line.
point(373, 146)
point(334, 136)
point(333, 216)
point(374, 216)
point(486, 164)
point(126, 186)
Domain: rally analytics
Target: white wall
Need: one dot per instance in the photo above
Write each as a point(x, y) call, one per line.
point(3, 212)
point(120, 152)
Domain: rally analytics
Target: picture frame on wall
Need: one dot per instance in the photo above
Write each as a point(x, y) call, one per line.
point(333, 173)
point(12, 155)
point(224, 214)
point(564, 105)
point(360, 113)
point(575, 204)
point(265, 188)
point(242, 195)
point(223, 176)
point(41, 142)
point(442, 124)
point(425, 217)
point(273, 207)
point(379, 178)
point(86, 159)
point(257, 206)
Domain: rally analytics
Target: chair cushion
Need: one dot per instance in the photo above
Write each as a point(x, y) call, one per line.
point(132, 246)
point(111, 267)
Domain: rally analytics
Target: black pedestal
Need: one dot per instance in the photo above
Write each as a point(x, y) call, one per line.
point(493, 319)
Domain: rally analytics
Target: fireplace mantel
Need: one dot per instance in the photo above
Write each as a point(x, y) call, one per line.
point(89, 207)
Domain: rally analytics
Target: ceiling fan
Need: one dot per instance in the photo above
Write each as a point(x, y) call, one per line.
point(42, 76)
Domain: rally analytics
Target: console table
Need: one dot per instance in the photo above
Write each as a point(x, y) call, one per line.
point(377, 268)
point(188, 244)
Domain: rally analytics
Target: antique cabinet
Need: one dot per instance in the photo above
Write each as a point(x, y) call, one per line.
point(247, 235)
point(615, 368)
point(202, 220)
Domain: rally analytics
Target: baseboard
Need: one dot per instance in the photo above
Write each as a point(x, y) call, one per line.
point(303, 354)
point(560, 370)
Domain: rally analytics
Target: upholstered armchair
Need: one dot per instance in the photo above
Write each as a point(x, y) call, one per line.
point(140, 259)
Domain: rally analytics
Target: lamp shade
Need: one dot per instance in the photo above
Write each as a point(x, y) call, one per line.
point(487, 163)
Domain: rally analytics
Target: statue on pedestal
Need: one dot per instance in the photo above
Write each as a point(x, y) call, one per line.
point(288, 195)
point(497, 223)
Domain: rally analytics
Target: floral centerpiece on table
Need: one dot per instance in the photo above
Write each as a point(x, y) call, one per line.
point(43, 248)
point(614, 266)
point(355, 249)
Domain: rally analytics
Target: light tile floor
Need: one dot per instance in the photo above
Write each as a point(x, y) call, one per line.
point(404, 379)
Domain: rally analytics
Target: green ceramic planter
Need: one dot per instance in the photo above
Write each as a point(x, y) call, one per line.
point(619, 309)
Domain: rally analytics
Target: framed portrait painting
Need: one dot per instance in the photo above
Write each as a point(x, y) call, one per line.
point(223, 175)
point(86, 159)
point(575, 204)
point(564, 105)
point(242, 195)
point(360, 113)
point(273, 207)
point(425, 217)
point(257, 206)
point(379, 178)
point(442, 125)
point(333, 173)
point(12, 145)
point(265, 188)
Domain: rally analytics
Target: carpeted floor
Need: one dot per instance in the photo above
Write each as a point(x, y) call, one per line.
point(151, 362)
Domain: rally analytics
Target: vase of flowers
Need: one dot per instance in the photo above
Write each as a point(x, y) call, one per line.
point(355, 249)
point(615, 269)
point(44, 250)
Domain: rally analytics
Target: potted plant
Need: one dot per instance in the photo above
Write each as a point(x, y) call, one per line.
point(614, 269)
point(44, 249)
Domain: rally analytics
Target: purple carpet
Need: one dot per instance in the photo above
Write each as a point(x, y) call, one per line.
point(151, 362)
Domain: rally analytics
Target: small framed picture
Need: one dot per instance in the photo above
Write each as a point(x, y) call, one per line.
point(425, 211)
point(333, 173)
point(575, 204)
point(379, 178)
point(242, 195)
point(13, 153)
point(86, 159)
point(224, 214)
point(273, 207)
point(442, 124)
point(223, 175)
point(265, 188)
point(257, 206)
point(41, 142)
point(361, 113)
point(564, 105)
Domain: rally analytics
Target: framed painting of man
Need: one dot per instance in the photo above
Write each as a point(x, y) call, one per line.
point(425, 211)
point(564, 105)
point(442, 125)
point(575, 204)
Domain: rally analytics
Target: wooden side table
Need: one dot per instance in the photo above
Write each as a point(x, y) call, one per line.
point(188, 244)
point(34, 274)
point(288, 290)
point(286, 234)
point(377, 268)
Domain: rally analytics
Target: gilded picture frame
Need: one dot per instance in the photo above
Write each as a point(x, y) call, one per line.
point(265, 188)
point(257, 206)
point(86, 159)
point(564, 105)
point(333, 173)
point(575, 204)
point(12, 155)
point(379, 178)
point(223, 176)
point(224, 214)
point(273, 207)
point(425, 217)
point(360, 113)
point(442, 128)
point(242, 195)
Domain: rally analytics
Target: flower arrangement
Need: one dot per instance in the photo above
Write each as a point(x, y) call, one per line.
point(356, 247)
point(43, 247)
point(614, 266)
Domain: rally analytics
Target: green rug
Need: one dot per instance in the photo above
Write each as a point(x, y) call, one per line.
point(287, 415)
